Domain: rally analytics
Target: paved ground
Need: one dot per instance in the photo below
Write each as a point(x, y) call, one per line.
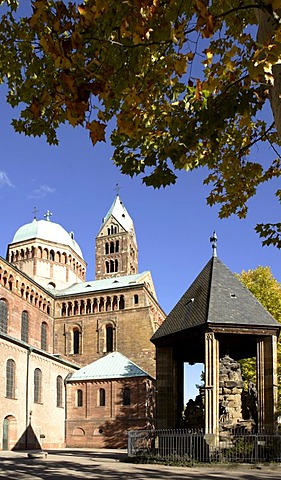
point(107, 464)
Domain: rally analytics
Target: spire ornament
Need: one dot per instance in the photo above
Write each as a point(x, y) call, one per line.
point(213, 240)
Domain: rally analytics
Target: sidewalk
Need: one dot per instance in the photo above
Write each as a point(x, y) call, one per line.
point(102, 464)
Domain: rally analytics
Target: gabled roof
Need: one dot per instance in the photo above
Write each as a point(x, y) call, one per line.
point(215, 297)
point(119, 212)
point(113, 365)
point(105, 284)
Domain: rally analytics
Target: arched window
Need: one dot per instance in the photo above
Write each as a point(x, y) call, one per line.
point(106, 248)
point(76, 341)
point(111, 247)
point(102, 397)
point(52, 255)
point(24, 326)
point(79, 398)
point(126, 396)
point(37, 385)
point(111, 266)
point(116, 265)
point(101, 305)
point(44, 336)
point(109, 338)
point(117, 246)
point(10, 378)
point(3, 316)
point(59, 391)
point(136, 299)
point(122, 302)
point(107, 267)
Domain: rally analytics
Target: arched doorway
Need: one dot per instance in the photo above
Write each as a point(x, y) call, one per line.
point(9, 432)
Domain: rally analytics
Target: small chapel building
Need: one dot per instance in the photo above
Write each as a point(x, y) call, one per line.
point(216, 317)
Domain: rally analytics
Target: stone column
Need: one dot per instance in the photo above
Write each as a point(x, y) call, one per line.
point(267, 382)
point(211, 388)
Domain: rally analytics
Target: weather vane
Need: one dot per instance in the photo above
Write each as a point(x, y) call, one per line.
point(117, 188)
point(35, 211)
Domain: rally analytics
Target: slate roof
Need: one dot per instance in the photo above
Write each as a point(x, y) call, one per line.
point(113, 365)
point(105, 284)
point(215, 297)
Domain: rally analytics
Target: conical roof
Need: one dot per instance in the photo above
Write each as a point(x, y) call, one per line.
point(119, 212)
point(113, 365)
point(216, 296)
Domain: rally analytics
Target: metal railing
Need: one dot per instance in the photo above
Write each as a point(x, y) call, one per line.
point(186, 446)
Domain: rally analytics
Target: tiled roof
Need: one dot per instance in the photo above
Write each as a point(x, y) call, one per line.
point(215, 297)
point(105, 284)
point(113, 365)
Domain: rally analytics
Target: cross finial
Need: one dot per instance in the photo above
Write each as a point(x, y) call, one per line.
point(35, 211)
point(213, 240)
point(117, 188)
point(48, 215)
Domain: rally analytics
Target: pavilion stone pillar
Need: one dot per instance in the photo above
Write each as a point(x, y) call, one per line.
point(167, 388)
point(267, 383)
point(211, 388)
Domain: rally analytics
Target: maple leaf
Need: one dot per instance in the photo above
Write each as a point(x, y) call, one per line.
point(97, 131)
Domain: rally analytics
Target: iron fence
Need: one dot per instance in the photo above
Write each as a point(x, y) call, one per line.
point(186, 446)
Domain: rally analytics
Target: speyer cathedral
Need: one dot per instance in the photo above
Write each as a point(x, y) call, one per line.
point(77, 363)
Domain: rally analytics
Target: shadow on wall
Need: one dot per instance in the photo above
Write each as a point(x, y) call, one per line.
point(134, 415)
point(28, 441)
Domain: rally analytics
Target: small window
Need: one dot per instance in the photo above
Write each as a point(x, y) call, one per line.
point(76, 341)
point(59, 391)
point(37, 385)
point(52, 255)
point(126, 396)
point(122, 302)
point(109, 338)
point(10, 378)
point(79, 398)
point(24, 326)
point(44, 336)
point(3, 316)
point(102, 397)
point(136, 299)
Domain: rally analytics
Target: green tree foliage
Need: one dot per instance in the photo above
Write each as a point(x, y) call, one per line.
point(185, 81)
point(267, 290)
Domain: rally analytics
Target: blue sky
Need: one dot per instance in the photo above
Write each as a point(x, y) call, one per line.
point(76, 182)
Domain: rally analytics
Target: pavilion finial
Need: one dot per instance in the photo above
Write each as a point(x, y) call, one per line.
point(213, 240)
point(48, 215)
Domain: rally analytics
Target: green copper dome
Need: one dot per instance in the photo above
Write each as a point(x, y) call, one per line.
point(46, 230)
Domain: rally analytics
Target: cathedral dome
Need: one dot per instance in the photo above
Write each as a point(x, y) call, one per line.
point(46, 230)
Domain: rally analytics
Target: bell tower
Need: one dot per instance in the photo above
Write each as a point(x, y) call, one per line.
point(116, 244)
